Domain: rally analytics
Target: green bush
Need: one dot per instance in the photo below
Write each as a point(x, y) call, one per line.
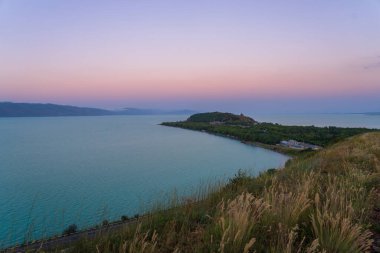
point(71, 229)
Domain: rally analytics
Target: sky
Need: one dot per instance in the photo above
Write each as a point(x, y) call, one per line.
point(268, 56)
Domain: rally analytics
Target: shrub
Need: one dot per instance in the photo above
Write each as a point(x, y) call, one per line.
point(71, 229)
point(124, 218)
point(105, 223)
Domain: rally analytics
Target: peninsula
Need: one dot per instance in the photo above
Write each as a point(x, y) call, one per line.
point(286, 139)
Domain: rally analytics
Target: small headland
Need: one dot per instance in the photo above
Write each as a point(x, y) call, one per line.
point(290, 140)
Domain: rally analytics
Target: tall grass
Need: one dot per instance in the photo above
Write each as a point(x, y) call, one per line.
point(336, 230)
point(236, 220)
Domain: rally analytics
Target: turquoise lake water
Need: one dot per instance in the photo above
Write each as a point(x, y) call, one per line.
point(62, 170)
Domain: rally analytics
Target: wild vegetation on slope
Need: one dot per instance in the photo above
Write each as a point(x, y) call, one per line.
point(322, 202)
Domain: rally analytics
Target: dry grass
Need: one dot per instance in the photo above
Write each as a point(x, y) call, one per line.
point(336, 231)
point(236, 220)
point(141, 242)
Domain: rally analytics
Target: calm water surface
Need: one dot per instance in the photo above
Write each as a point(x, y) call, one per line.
point(82, 170)
point(321, 119)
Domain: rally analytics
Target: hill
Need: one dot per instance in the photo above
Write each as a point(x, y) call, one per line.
point(222, 118)
point(8, 109)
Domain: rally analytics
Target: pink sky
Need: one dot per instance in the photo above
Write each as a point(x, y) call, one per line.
point(70, 52)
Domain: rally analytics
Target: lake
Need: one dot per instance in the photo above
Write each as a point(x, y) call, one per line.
point(320, 119)
point(55, 171)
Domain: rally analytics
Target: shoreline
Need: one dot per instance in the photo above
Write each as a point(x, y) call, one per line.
point(91, 232)
point(275, 148)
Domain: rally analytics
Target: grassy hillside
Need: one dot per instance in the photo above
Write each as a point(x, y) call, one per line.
point(326, 201)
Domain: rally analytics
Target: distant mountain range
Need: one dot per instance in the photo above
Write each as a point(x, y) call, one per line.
point(139, 111)
point(366, 113)
point(372, 113)
point(9, 109)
